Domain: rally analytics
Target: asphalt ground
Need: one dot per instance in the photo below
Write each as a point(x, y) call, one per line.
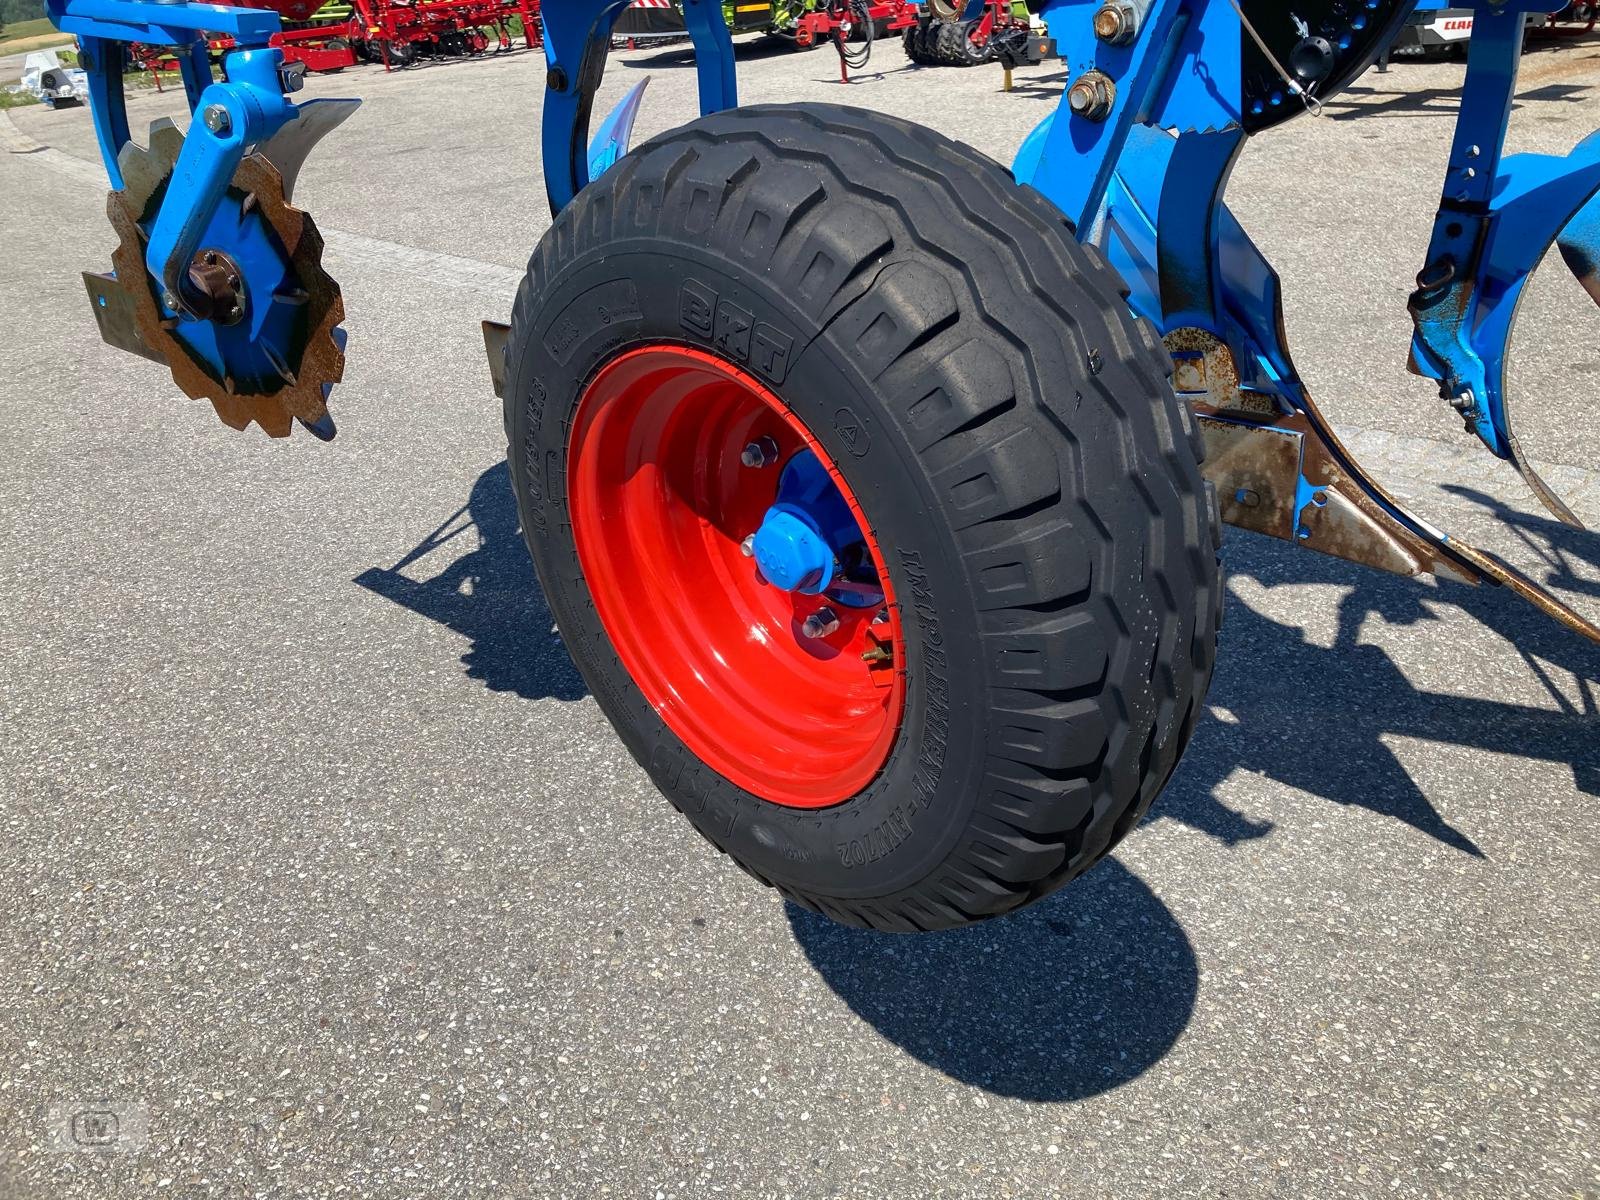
point(320, 870)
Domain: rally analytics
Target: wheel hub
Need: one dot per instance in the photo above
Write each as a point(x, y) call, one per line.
point(743, 591)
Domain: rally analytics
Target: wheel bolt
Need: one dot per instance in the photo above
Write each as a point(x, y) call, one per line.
point(748, 546)
point(760, 453)
point(820, 623)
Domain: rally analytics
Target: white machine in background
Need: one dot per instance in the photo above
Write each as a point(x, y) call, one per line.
point(46, 78)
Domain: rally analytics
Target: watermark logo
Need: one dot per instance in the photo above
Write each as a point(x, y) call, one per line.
point(98, 1126)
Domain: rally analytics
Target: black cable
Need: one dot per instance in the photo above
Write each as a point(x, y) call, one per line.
point(858, 58)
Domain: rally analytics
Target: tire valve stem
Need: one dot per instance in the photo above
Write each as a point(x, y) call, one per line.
point(820, 623)
point(878, 654)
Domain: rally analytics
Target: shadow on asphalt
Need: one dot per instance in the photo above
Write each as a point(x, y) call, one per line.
point(1392, 98)
point(485, 590)
point(1322, 718)
point(1091, 987)
point(1282, 706)
point(1067, 999)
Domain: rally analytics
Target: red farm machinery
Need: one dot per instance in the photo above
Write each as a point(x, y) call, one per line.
point(945, 36)
point(396, 33)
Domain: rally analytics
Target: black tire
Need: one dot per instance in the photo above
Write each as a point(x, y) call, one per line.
point(400, 54)
point(1013, 436)
point(917, 43)
point(953, 48)
point(911, 42)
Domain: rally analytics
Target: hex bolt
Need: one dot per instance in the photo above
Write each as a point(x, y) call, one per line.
point(209, 258)
point(217, 120)
point(235, 313)
point(1092, 96)
point(169, 300)
point(760, 453)
point(1116, 24)
point(748, 546)
point(820, 623)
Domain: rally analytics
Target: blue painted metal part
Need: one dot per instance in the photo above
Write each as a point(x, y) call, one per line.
point(101, 59)
point(256, 109)
point(807, 534)
point(611, 139)
point(577, 40)
point(161, 24)
point(252, 99)
point(1580, 247)
point(238, 351)
point(1497, 219)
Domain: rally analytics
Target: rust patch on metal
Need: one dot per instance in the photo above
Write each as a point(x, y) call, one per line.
point(296, 390)
point(1256, 461)
point(114, 312)
point(1254, 468)
point(495, 337)
point(1204, 371)
point(1541, 597)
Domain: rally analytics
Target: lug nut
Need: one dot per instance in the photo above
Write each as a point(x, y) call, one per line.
point(1092, 96)
point(1116, 24)
point(217, 120)
point(748, 546)
point(820, 623)
point(760, 453)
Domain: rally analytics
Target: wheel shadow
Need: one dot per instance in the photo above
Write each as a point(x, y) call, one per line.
point(1070, 998)
point(1091, 988)
point(484, 588)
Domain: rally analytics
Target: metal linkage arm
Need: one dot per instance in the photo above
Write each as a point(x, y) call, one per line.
point(1497, 218)
point(577, 40)
point(233, 116)
point(229, 117)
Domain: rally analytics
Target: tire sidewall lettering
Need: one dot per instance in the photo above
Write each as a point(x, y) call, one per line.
point(708, 307)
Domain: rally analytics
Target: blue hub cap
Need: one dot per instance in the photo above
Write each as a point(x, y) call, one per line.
point(809, 541)
point(792, 554)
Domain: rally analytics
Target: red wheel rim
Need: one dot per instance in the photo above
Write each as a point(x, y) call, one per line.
point(660, 503)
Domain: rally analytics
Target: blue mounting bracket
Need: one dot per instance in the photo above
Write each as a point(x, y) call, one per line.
point(1497, 218)
point(228, 117)
point(577, 41)
point(1145, 181)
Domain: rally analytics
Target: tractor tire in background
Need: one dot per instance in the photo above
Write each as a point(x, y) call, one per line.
point(397, 53)
point(839, 290)
point(914, 42)
point(953, 47)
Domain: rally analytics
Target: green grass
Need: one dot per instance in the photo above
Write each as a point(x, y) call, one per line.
point(18, 30)
point(16, 99)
